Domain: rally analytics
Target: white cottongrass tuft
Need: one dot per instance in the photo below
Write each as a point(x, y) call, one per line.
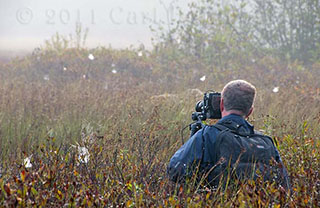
point(83, 152)
point(203, 78)
point(140, 53)
point(27, 162)
point(275, 89)
point(64, 68)
point(91, 57)
point(46, 77)
point(114, 71)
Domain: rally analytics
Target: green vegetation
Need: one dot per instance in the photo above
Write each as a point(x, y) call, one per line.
point(80, 130)
point(217, 30)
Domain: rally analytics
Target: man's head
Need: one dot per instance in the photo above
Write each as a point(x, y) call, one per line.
point(237, 97)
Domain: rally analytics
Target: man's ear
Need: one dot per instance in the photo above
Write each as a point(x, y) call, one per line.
point(250, 111)
point(221, 105)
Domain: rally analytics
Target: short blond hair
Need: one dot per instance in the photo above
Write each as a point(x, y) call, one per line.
point(238, 95)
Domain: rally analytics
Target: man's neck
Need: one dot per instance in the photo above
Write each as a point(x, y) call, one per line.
point(226, 113)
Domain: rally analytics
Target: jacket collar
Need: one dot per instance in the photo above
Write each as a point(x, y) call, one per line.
point(239, 120)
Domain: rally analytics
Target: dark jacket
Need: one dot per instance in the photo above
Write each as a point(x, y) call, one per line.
point(198, 149)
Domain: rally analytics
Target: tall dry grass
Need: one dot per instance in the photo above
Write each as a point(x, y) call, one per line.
point(130, 123)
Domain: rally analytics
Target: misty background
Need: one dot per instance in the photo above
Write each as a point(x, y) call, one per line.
point(25, 24)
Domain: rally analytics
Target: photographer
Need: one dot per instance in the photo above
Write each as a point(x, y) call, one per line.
point(232, 141)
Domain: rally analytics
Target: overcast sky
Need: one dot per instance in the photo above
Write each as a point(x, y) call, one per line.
point(25, 24)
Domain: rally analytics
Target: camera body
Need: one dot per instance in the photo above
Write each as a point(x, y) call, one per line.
point(208, 108)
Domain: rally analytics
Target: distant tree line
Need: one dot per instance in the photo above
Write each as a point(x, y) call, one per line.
point(217, 30)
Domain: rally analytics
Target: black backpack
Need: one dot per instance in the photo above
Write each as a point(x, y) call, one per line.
point(241, 155)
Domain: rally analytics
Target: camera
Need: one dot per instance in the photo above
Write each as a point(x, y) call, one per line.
point(208, 108)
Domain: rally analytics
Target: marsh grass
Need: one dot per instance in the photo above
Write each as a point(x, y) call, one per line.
point(132, 127)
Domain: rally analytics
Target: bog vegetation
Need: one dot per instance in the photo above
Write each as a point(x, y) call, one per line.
point(86, 127)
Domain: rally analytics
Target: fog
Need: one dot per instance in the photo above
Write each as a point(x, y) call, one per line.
point(119, 23)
